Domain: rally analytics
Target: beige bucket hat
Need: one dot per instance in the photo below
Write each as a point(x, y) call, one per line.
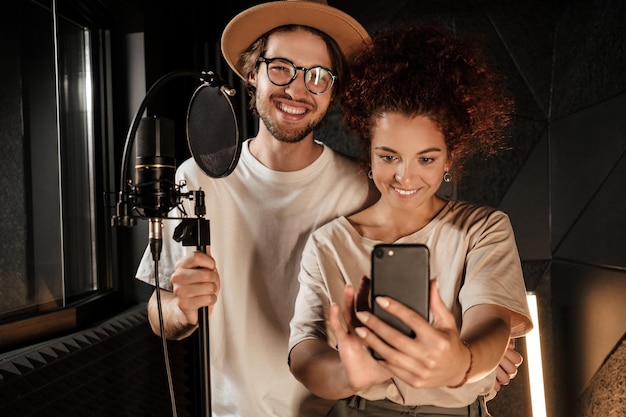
point(252, 23)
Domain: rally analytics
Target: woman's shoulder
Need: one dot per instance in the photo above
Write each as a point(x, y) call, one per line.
point(470, 208)
point(466, 212)
point(328, 237)
point(332, 230)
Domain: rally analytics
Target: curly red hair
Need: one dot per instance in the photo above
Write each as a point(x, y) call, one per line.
point(430, 71)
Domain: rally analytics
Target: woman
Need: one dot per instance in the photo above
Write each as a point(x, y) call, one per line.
point(423, 100)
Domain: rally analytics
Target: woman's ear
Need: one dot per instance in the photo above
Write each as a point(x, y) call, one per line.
point(449, 161)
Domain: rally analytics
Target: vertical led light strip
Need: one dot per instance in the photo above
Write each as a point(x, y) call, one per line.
point(535, 365)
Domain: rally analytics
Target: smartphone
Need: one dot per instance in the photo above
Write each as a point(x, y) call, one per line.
point(401, 272)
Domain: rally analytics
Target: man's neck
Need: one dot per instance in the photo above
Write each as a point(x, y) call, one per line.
point(283, 156)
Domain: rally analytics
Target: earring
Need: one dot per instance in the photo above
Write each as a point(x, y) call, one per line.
point(370, 175)
point(447, 177)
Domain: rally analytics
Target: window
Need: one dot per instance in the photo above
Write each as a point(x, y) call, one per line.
point(56, 247)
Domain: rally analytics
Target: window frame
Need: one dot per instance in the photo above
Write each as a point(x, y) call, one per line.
point(103, 295)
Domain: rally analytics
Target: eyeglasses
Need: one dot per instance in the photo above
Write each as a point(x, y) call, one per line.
point(281, 72)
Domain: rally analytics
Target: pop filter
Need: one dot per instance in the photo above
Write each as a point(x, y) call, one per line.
point(212, 131)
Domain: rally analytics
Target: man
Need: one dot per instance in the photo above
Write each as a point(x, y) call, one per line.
point(285, 185)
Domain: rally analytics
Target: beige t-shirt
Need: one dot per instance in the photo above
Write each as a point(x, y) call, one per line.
point(472, 254)
point(260, 220)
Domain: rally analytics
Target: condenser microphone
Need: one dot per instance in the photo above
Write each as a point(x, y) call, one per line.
point(155, 191)
point(155, 167)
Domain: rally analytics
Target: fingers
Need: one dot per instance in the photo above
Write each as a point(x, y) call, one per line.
point(334, 323)
point(408, 316)
point(355, 301)
point(369, 335)
point(508, 366)
point(442, 317)
point(386, 340)
point(348, 309)
point(401, 355)
point(196, 259)
point(501, 379)
point(512, 355)
point(195, 282)
point(510, 363)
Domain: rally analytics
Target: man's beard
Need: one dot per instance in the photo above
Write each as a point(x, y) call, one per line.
point(291, 136)
point(282, 135)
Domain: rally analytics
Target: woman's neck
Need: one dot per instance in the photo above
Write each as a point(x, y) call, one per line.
point(382, 223)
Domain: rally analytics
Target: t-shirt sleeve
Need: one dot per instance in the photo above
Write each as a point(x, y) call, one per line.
point(171, 252)
point(494, 273)
point(312, 301)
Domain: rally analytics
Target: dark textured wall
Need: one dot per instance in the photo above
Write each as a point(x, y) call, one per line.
point(12, 178)
point(115, 369)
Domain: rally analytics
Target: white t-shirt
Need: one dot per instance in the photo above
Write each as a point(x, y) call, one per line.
point(259, 222)
point(474, 257)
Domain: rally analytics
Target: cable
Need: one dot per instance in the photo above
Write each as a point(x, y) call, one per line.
point(168, 371)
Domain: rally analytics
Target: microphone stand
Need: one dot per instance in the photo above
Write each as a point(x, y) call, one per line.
point(196, 232)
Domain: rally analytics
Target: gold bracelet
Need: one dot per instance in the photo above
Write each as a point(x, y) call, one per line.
point(469, 368)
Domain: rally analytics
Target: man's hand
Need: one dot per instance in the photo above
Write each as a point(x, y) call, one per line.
point(507, 369)
point(196, 283)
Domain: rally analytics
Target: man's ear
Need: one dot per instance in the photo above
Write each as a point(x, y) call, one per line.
point(252, 78)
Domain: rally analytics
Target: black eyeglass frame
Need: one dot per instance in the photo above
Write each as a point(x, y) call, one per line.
point(268, 61)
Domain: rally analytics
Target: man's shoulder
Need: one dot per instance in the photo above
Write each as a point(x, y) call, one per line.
point(345, 161)
point(342, 155)
point(188, 165)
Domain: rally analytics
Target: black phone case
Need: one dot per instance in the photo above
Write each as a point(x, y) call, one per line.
point(402, 272)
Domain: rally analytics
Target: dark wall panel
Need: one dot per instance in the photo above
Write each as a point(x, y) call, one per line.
point(590, 55)
point(597, 235)
point(115, 369)
point(526, 201)
point(587, 149)
point(13, 181)
point(589, 307)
